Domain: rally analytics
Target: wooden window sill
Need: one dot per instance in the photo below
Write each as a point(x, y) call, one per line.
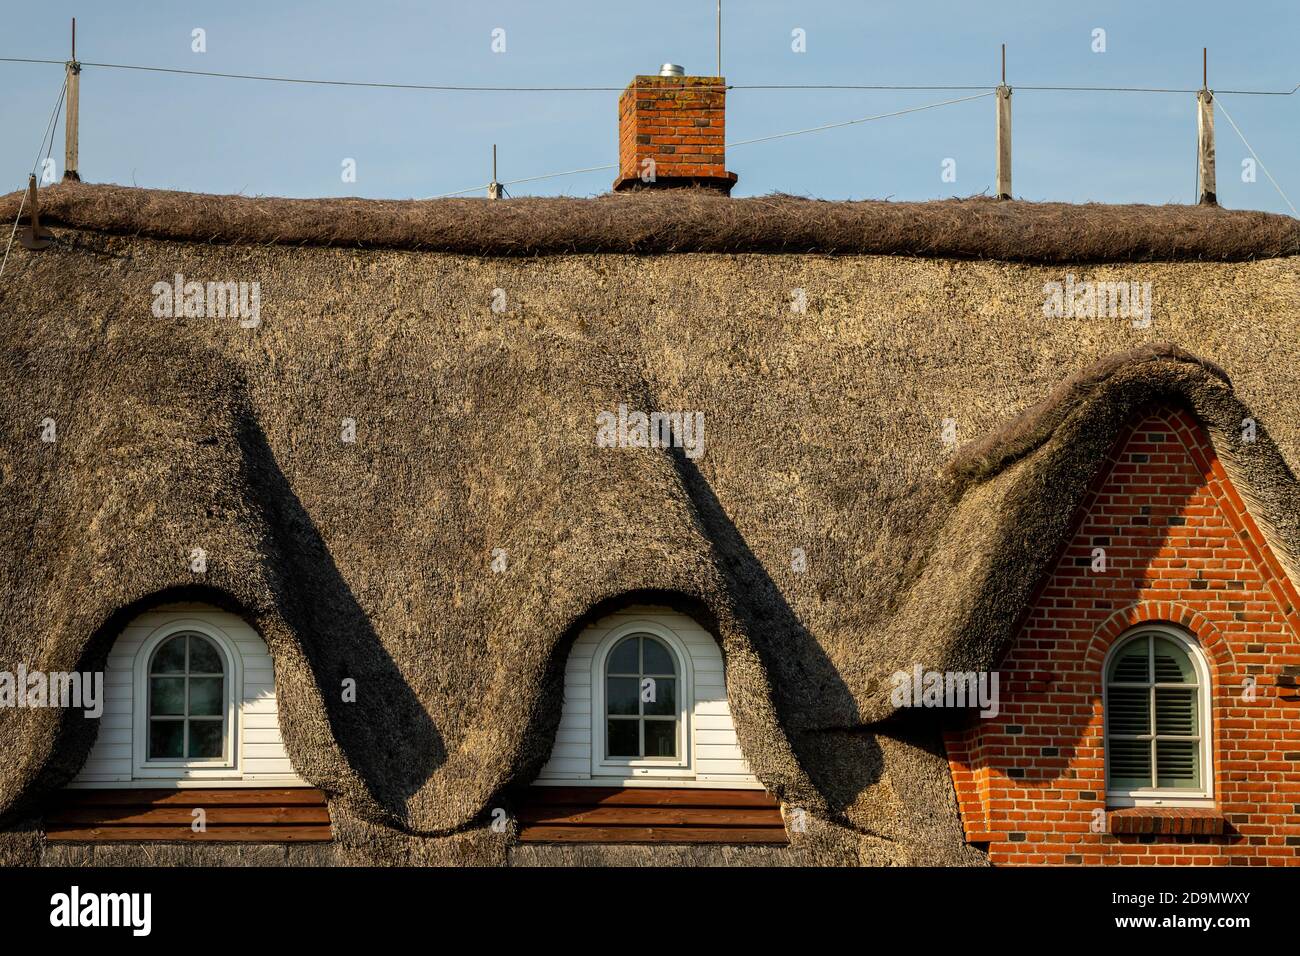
point(244, 815)
point(649, 815)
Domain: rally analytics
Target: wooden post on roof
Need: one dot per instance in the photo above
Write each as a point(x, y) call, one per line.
point(70, 164)
point(1004, 133)
point(1205, 137)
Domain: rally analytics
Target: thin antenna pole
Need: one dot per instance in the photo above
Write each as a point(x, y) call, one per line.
point(494, 188)
point(1205, 68)
point(1004, 64)
point(719, 73)
point(74, 38)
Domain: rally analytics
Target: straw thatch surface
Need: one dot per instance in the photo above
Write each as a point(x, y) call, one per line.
point(684, 221)
point(475, 431)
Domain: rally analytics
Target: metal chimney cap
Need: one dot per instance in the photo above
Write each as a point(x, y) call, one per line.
point(672, 69)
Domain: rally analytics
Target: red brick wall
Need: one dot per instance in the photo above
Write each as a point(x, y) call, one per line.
point(1180, 549)
point(678, 121)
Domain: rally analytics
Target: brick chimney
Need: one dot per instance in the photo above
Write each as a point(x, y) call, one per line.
point(671, 130)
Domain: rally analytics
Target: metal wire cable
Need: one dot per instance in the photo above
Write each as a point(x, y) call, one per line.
point(852, 122)
point(1145, 89)
point(743, 142)
point(451, 88)
point(49, 134)
point(1242, 136)
point(530, 179)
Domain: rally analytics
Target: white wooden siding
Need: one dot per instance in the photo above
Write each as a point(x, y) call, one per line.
point(261, 758)
point(716, 760)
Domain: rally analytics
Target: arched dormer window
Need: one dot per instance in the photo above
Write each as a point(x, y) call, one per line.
point(642, 720)
point(190, 730)
point(642, 681)
point(609, 736)
point(188, 700)
point(187, 678)
point(189, 696)
point(646, 727)
point(1157, 719)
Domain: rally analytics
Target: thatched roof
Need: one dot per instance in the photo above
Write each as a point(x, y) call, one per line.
point(475, 431)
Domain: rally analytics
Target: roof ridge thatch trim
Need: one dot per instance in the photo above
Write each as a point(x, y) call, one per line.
point(683, 221)
point(987, 456)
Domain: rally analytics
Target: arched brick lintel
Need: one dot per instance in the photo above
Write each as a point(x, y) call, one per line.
point(1218, 651)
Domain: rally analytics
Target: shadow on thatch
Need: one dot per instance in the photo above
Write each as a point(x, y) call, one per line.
point(802, 681)
point(779, 637)
point(386, 735)
point(799, 667)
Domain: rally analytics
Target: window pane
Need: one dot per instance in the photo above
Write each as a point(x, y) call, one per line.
point(1172, 664)
point(658, 659)
point(170, 656)
point(621, 738)
point(1178, 764)
point(621, 695)
point(1131, 666)
point(1176, 712)
point(166, 695)
point(623, 659)
point(661, 738)
point(1128, 710)
point(204, 658)
point(205, 696)
point(205, 738)
point(665, 694)
point(165, 739)
point(1130, 763)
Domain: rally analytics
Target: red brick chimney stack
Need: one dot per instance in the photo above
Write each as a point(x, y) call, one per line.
point(671, 131)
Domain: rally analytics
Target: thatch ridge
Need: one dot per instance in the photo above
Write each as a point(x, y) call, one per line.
point(995, 451)
point(681, 221)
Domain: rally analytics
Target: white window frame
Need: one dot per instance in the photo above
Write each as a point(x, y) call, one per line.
point(1153, 796)
point(681, 767)
point(225, 766)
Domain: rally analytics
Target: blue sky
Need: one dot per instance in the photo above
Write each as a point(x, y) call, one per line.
point(237, 136)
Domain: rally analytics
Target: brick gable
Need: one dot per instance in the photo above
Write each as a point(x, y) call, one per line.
point(1180, 548)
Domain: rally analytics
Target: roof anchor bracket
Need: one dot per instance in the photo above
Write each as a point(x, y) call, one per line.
point(34, 236)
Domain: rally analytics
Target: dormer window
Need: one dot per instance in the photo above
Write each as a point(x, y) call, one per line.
point(189, 745)
point(646, 750)
point(187, 700)
point(641, 695)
